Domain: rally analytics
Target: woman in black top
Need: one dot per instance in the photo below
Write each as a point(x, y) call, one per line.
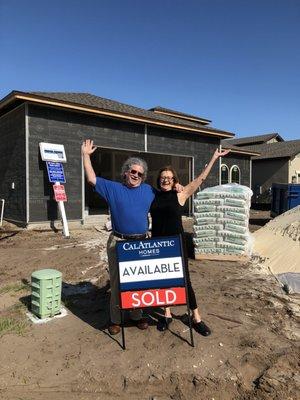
point(166, 213)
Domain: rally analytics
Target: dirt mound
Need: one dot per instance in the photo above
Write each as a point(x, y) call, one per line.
point(278, 245)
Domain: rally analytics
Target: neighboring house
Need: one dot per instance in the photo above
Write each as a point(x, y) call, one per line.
point(278, 162)
point(254, 140)
point(161, 136)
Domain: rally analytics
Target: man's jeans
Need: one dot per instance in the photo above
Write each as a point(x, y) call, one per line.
point(115, 314)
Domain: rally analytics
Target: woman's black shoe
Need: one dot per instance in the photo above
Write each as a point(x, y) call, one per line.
point(202, 328)
point(163, 323)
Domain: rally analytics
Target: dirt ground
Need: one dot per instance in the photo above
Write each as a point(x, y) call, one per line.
point(253, 352)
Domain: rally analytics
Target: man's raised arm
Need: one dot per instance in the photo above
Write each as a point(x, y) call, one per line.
point(87, 149)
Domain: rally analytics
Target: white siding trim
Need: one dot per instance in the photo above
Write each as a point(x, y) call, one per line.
point(250, 180)
point(82, 191)
point(193, 177)
point(27, 162)
point(146, 138)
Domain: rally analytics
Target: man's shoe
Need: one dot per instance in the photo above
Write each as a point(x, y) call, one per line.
point(142, 324)
point(202, 328)
point(114, 329)
point(163, 323)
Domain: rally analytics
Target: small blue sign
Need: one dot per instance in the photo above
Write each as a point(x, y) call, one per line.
point(55, 172)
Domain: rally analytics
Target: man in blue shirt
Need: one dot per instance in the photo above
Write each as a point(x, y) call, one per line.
point(129, 203)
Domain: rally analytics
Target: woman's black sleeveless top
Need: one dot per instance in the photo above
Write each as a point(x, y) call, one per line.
point(166, 214)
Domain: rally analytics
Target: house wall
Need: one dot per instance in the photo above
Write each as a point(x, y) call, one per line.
point(294, 169)
point(266, 172)
point(13, 164)
point(273, 140)
point(201, 148)
point(243, 162)
point(70, 129)
point(49, 124)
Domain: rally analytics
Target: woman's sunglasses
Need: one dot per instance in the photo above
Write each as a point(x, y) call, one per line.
point(166, 178)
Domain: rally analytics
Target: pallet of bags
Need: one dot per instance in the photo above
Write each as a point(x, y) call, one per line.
point(221, 223)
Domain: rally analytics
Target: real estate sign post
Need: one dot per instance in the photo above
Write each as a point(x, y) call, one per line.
point(54, 155)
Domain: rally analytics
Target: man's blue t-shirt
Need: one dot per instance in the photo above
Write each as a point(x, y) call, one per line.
point(129, 207)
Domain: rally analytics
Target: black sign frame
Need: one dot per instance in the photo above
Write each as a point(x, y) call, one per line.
point(121, 242)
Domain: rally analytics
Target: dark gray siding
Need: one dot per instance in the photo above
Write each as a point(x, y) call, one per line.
point(49, 124)
point(13, 164)
point(70, 129)
point(186, 144)
point(266, 172)
point(243, 162)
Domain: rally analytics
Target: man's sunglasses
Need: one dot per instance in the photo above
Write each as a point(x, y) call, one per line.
point(135, 172)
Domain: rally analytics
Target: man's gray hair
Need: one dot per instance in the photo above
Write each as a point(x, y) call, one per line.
point(134, 161)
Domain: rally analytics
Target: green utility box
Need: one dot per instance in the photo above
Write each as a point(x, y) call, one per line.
point(46, 292)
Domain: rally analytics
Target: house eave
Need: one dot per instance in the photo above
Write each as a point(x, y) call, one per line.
point(15, 95)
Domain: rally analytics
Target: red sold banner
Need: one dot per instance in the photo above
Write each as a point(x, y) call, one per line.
point(153, 298)
point(59, 193)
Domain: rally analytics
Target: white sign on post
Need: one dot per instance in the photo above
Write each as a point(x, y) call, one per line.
point(55, 153)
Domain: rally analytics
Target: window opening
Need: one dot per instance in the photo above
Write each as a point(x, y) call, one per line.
point(235, 175)
point(224, 174)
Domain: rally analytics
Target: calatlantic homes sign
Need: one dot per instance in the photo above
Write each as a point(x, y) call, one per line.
point(151, 273)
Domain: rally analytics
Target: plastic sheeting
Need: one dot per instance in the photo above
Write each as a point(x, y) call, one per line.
point(221, 220)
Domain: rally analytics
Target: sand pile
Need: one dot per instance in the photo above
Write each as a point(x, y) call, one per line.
point(278, 243)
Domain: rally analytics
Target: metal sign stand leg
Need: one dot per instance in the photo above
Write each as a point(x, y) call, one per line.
point(122, 327)
point(187, 293)
point(190, 325)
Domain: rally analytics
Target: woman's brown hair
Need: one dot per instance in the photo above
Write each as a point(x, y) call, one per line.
point(167, 168)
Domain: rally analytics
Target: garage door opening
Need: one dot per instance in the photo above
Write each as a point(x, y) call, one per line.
point(107, 163)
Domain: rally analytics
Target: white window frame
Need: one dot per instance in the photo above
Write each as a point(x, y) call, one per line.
point(230, 173)
point(224, 165)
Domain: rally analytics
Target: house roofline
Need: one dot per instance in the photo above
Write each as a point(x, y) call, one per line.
point(180, 115)
point(238, 150)
point(17, 95)
point(250, 153)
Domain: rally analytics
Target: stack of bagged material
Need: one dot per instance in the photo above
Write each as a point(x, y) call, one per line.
point(222, 220)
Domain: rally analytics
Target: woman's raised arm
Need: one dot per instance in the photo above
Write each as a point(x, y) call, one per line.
point(191, 188)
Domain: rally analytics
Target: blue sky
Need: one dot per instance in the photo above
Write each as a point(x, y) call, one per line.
point(235, 62)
